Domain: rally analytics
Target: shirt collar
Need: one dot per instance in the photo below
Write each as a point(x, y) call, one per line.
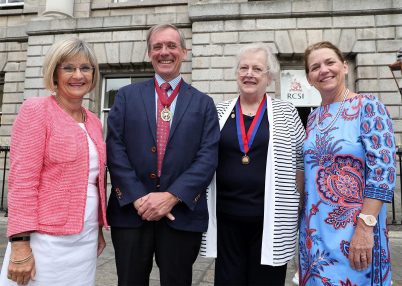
point(173, 83)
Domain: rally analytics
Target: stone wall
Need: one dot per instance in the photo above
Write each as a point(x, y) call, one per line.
point(368, 31)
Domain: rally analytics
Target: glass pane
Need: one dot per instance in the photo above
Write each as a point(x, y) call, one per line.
point(139, 79)
point(1, 97)
point(112, 86)
point(104, 119)
point(1, 90)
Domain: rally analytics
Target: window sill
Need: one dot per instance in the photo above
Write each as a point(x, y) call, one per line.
point(103, 6)
point(18, 11)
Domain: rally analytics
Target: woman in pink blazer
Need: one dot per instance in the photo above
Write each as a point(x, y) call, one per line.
point(56, 194)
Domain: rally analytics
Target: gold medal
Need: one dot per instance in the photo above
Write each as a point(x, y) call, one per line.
point(166, 115)
point(245, 160)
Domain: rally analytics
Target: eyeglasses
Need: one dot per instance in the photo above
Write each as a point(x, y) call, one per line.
point(84, 69)
point(256, 71)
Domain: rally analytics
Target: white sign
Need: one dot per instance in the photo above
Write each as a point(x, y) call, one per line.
point(296, 89)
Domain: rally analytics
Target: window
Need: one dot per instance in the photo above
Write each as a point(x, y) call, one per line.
point(1, 94)
point(110, 87)
point(10, 3)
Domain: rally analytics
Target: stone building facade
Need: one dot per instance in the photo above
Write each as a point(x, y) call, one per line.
point(369, 32)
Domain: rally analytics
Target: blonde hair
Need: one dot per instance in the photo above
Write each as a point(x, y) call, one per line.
point(63, 50)
point(272, 63)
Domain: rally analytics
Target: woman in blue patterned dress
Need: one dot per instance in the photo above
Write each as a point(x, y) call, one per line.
point(349, 176)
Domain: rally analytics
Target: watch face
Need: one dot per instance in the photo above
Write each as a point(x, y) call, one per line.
point(369, 220)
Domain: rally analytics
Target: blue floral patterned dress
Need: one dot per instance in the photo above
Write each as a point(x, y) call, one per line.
point(352, 160)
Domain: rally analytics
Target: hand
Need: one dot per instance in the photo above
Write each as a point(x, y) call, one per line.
point(170, 216)
point(21, 273)
point(101, 242)
point(156, 206)
point(361, 246)
point(138, 203)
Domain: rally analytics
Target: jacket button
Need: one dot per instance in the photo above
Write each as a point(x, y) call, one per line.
point(118, 193)
point(152, 176)
point(153, 149)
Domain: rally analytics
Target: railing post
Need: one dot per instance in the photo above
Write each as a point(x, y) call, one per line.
point(399, 152)
point(393, 210)
point(5, 149)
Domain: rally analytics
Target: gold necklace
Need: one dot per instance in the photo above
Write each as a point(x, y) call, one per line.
point(68, 110)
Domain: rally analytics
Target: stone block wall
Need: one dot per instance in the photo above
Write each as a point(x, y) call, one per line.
point(369, 32)
point(369, 37)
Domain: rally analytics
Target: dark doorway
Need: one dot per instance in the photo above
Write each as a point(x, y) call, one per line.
point(304, 113)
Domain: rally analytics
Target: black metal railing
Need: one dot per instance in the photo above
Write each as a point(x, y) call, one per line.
point(5, 150)
point(394, 221)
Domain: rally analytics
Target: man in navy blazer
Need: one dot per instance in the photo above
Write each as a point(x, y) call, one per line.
point(161, 215)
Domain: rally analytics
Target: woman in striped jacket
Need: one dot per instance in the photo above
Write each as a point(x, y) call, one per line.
point(253, 198)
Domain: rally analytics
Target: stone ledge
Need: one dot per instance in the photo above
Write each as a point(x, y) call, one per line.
point(103, 6)
point(288, 8)
point(100, 24)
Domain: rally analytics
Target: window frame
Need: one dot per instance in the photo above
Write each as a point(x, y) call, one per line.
point(104, 111)
point(12, 4)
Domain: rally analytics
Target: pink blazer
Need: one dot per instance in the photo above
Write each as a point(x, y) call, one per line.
point(47, 184)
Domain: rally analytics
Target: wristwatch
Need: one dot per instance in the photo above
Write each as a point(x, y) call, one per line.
point(369, 220)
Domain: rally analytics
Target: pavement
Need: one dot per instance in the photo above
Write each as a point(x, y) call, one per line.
point(203, 270)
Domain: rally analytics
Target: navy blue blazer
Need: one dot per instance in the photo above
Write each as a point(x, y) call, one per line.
point(190, 160)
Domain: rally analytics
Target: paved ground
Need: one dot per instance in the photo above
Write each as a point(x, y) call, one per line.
point(203, 274)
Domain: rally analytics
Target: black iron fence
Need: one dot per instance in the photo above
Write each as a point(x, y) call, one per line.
point(394, 221)
point(4, 150)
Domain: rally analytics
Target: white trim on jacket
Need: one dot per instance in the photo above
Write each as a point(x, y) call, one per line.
point(281, 200)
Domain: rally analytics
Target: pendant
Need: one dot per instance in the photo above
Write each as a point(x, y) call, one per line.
point(166, 115)
point(245, 160)
point(233, 115)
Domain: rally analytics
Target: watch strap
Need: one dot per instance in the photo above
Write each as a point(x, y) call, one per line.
point(19, 238)
point(368, 220)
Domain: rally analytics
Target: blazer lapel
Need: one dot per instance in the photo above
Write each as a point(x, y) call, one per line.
point(148, 97)
point(183, 100)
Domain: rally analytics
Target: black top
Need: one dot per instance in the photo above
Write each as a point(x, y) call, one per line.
point(240, 188)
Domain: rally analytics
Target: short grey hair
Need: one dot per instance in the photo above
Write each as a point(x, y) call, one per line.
point(272, 63)
point(161, 27)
